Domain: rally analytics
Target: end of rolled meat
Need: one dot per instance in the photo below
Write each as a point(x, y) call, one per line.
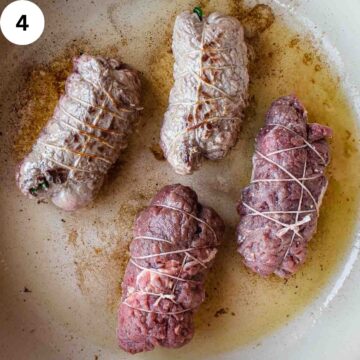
point(185, 158)
point(37, 184)
point(210, 92)
point(85, 136)
point(174, 245)
point(280, 208)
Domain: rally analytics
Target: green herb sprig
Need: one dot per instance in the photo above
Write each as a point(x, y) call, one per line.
point(198, 11)
point(43, 185)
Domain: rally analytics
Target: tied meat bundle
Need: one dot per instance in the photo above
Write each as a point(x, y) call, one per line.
point(280, 208)
point(85, 136)
point(210, 92)
point(175, 243)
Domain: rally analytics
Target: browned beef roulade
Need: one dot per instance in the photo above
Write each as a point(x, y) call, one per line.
point(210, 93)
point(85, 136)
point(175, 243)
point(280, 208)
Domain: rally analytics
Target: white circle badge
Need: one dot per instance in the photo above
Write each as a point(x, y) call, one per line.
point(22, 22)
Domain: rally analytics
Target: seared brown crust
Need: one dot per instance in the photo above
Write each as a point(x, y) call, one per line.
point(210, 92)
point(85, 136)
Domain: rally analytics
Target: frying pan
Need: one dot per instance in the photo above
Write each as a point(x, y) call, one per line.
point(60, 272)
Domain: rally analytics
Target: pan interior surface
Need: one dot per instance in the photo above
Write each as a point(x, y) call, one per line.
point(60, 273)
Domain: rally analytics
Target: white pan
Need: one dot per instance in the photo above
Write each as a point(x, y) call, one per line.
point(60, 272)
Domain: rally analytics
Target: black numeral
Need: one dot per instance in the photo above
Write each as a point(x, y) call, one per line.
point(22, 23)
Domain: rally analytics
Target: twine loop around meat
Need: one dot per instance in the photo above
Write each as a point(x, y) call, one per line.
point(175, 279)
point(308, 214)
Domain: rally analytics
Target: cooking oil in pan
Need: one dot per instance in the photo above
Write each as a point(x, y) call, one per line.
point(241, 307)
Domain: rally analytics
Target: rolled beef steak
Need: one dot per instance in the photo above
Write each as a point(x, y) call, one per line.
point(210, 92)
point(174, 245)
point(280, 208)
point(85, 136)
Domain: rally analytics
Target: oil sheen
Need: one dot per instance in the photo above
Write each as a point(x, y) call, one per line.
point(241, 307)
